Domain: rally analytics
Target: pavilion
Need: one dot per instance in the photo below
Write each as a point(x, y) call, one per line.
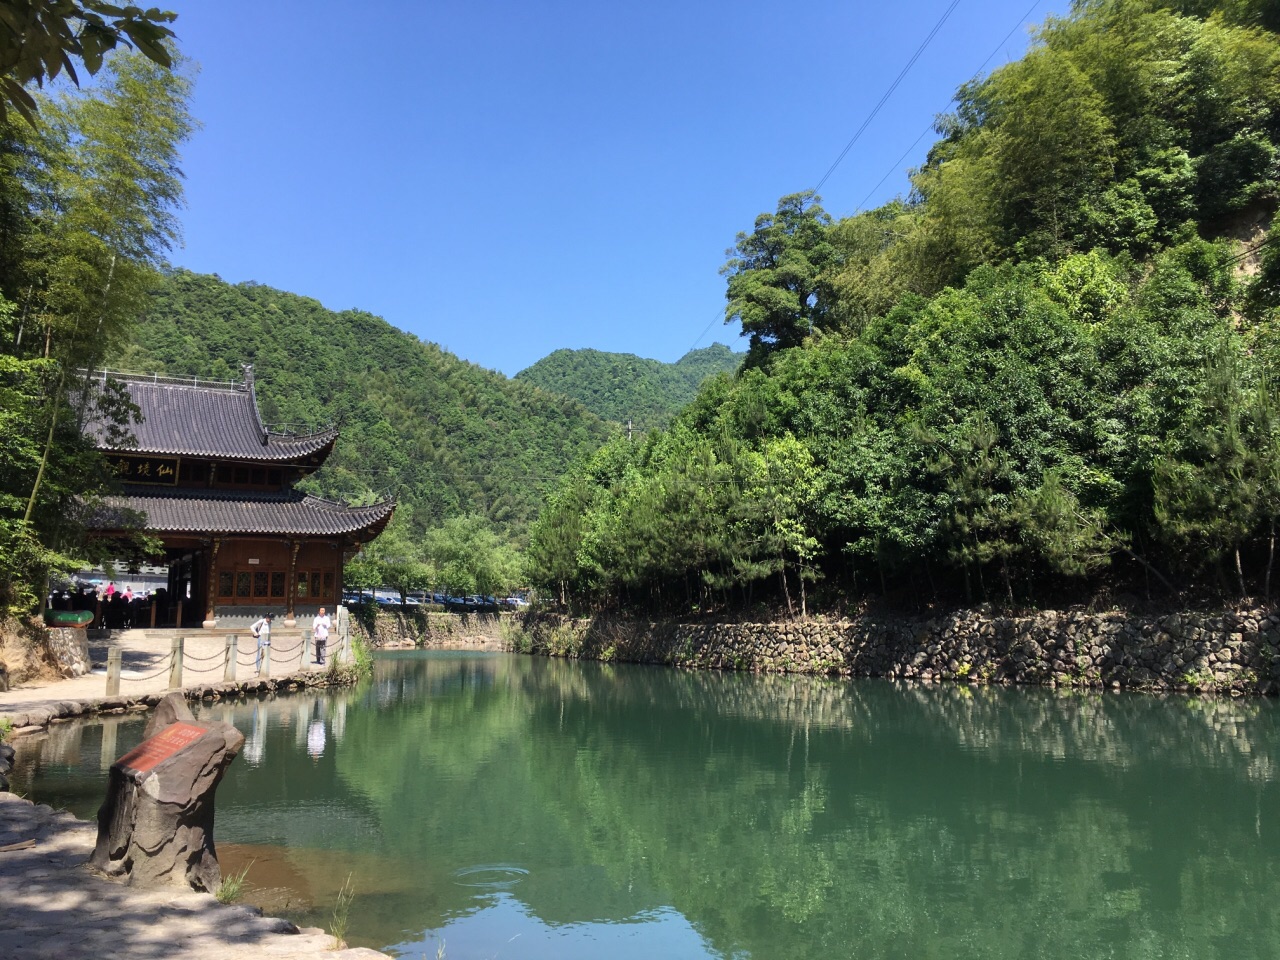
point(204, 475)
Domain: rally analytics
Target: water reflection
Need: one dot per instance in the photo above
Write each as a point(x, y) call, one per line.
point(583, 810)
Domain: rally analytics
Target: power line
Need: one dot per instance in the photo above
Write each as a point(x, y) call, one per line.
point(875, 110)
point(888, 93)
point(982, 66)
point(865, 123)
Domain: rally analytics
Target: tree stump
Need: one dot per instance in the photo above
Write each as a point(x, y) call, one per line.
point(156, 826)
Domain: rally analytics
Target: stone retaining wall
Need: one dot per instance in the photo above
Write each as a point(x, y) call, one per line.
point(432, 628)
point(1235, 651)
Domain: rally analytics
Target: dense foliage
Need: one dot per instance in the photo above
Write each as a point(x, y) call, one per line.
point(623, 387)
point(1053, 363)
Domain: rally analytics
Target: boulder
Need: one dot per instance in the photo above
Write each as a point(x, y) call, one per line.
point(156, 826)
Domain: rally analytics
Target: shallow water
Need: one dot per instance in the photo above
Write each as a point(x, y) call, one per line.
point(516, 807)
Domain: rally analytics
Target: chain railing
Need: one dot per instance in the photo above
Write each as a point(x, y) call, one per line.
point(232, 657)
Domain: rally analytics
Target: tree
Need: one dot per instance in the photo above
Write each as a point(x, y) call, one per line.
point(40, 38)
point(94, 191)
point(470, 557)
point(778, 287)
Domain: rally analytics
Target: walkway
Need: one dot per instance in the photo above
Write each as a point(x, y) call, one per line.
point(146, 657)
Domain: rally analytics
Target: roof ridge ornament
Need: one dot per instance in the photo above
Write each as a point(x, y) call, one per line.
point(264, 436)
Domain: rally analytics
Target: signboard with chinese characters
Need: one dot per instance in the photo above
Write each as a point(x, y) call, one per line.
point(146, 469)
point(162, 746)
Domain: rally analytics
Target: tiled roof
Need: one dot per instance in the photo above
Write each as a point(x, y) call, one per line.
point(230, 511)
point(185, 419)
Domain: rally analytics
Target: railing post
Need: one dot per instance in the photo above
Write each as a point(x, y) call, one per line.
point(344, 635)
point(230, 656)
point(113, 672)
point(302, 653)
point(266, 661)
point(175, 664)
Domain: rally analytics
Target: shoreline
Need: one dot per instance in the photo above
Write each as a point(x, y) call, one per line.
point(37, 715)
point(52, 905)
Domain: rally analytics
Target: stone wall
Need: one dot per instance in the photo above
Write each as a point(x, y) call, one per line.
point(431, 629)
point(26, 655)
point(69, 650)
point(1235, 651)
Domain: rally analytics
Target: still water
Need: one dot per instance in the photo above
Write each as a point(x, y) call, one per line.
point(497, 806)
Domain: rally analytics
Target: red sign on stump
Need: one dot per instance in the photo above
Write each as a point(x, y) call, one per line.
point(161, 747)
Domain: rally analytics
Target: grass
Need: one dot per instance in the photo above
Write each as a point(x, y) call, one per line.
point(231, 888)
point(363, 656)
point(342, 914)
point(6, 728)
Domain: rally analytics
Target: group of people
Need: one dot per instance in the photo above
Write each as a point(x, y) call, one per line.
point(320, 628)
point(114, 607)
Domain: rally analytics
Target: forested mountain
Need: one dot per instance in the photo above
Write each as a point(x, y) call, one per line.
point(1049, 371)
point(622, 386)
point(444, 436)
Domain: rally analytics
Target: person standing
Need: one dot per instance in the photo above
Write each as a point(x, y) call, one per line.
point(320, 633)
point(261, 630)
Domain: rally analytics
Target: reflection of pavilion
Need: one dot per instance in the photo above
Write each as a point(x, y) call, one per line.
point(204, 475)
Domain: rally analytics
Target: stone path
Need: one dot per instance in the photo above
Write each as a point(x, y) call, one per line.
point(145, 656)
point(53, 908)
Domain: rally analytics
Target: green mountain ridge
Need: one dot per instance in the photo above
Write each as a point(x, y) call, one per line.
point(623, 386)
point(444, 436)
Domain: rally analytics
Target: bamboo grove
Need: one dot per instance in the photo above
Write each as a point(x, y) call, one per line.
point(89, 193)
point(1048, 371)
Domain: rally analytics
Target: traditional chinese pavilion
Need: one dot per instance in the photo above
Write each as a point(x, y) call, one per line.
point(217, 487)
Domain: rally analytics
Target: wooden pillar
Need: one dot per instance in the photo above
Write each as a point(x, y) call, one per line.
point(211, 616)
point(291, 587)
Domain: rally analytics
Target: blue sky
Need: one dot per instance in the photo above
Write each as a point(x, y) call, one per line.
point(506, 179)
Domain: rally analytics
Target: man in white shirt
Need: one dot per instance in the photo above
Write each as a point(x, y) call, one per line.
point(262, 632)
point(320, 632)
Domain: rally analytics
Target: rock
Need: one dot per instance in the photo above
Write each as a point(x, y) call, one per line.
point(156, 826)
point(171, 709)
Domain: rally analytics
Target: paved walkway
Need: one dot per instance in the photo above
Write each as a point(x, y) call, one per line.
point(145, 659)
point(53, 908)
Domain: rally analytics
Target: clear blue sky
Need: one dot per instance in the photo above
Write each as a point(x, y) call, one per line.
point(509, 178)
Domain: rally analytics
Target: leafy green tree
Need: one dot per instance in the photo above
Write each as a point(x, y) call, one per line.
point(470, 557)
point(93, 191)
point(39, 39)
point(777, 285)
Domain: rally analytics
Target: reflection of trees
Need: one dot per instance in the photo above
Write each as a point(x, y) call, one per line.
point(801, 817)
point(783, 816)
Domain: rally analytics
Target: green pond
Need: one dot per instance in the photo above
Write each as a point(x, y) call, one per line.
point(498, 806)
